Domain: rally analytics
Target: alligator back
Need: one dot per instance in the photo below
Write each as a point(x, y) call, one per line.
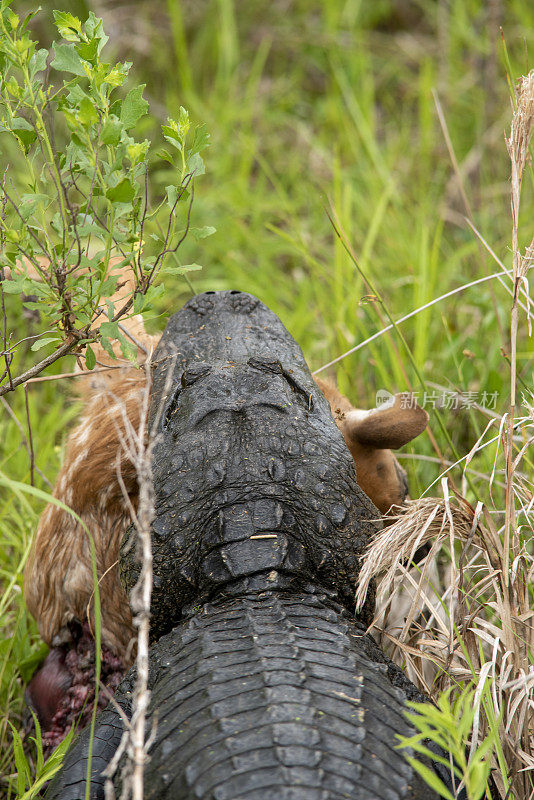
point(270, 697)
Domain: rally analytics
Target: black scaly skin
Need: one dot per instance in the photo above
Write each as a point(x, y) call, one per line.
point(263, 684)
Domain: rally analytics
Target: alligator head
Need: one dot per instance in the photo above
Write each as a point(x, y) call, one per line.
point(255, 487)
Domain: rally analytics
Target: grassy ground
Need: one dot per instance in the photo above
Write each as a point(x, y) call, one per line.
point(319, 109)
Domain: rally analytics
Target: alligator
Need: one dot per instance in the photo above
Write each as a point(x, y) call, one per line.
point(263, 681)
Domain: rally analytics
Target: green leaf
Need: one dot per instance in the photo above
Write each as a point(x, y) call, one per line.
point(124, 192)
point(51, 766)
point(30, 202)
point(196, 164)
point(134, 107)
point(477, 778)
point(164, 155)
point(110, 330)
point(13, 88)
point(172, 137)
point(87, 114)
point(23, 770)
point(43, 342)
point(201, 139)
point(152, 294)
point(202, 233)
point(90, 358)
point(12, 235)
point(430, 778)
point(137, 151)
point(67, 60)
point(111, 131)
point(38, 62)
point(128, 350)
point(108, 286)
point(14, 286)
point(28, 18)
point(121, 210)
point(38, 739)
point(108, 347)
point(91, 228)
point(118, 75)
point(183, 123)
point(180, 270)
point(171, 132)
point(139, 303)
point(68, 25)
point(94, 29)
point(425, 751)
point(75, 94)
point(24, 132)
point(12, 19)
point(172, 194)
point(88, 50)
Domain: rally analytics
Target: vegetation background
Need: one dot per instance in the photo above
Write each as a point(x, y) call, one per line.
point(317, 109)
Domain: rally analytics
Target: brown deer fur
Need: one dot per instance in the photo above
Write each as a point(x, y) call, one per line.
point(58, 577)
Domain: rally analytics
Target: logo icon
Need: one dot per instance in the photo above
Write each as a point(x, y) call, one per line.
point(384, 399)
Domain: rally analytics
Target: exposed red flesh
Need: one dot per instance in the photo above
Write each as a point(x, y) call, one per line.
point(62, 691)
point(49, 686)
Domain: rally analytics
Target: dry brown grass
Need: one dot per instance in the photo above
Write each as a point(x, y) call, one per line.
point(453, 620)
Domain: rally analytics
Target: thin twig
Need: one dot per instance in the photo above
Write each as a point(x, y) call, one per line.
point(30, 437)
point(143, 219)
point(7, 357)
point(81, 374)
point(25, 443)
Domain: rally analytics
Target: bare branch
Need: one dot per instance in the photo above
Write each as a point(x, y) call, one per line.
point(189, 178)
point(65, 348)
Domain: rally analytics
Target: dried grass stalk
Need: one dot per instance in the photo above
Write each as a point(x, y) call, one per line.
point(517, 143)
point(454, 620)
point(138, 446)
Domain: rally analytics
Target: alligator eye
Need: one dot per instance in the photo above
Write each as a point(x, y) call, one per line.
point(193, 373)
point(303, 397)
point(266, 366)
point(188, 378)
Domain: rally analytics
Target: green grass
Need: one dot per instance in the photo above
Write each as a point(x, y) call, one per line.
point(317, 107)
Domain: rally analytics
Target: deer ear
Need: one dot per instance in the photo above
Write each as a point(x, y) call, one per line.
point(392, 425)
